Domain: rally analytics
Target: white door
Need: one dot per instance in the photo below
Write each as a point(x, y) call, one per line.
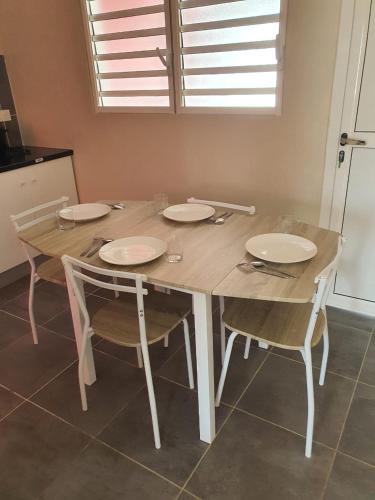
point(353, 205)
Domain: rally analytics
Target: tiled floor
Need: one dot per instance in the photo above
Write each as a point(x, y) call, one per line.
point(51, 450)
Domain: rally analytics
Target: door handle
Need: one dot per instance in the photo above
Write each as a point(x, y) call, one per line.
point(348, 141)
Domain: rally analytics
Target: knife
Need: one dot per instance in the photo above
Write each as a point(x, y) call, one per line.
point(95, 248)
point(87, 249)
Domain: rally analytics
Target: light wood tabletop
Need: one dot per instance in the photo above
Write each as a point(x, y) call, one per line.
point(211, 252)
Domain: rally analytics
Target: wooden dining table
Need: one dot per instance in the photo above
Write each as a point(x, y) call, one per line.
point(210, 255)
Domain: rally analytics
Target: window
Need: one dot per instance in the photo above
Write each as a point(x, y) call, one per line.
point(187, 55)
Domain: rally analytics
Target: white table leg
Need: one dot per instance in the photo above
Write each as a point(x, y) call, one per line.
point(205, 365)
point(90, 375)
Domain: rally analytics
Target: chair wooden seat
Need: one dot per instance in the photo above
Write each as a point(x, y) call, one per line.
point(52, 270)
point(117, 321)
point(280, 324)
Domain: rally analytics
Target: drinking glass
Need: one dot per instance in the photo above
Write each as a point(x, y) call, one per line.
point(160, 202)
point(174, 251)
point(65, 219)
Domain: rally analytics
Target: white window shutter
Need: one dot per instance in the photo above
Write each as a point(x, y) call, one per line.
point(130, 54)
point(229, 55)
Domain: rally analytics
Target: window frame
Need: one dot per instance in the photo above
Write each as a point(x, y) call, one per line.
point(174, 65)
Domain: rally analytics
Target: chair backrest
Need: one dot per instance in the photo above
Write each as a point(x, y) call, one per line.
point(77, 272)
point(324, 281)
point(47, 210)
point(250, 210)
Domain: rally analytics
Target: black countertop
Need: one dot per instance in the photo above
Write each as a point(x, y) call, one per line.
point(29, 155)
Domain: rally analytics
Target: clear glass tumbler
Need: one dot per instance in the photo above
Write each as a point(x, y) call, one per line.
point(160, 202)
point(174, 251)
point(65, 219)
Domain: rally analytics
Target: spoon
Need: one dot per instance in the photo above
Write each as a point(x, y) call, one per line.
point(260, 264)
point(214, 218)
point(118, 205)
point(221, 220)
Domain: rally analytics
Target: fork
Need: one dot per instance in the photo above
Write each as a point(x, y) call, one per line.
point(247, 267)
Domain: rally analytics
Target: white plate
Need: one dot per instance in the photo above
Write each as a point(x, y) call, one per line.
point(132, 250)
point(188, 212)
point(280, 247)
point(86, 211)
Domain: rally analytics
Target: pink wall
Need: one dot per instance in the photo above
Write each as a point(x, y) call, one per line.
point(275, 162)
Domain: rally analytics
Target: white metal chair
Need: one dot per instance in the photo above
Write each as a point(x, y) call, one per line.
point(50, 270)
point(286, 326)
point(251, 210)
point(128, 322)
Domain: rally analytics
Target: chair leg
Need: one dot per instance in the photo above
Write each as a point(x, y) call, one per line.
point(223, 375)
point(188, 354)
point(151, 396)
point(222, 329)
point(310, 402)
point(323, 367)
point(81, 375)
point(115, 281)
point(247, 348)
point(31, 308)
point(139, 356)
point(166, 341)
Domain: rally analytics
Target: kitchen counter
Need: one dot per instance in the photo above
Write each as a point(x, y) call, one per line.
point(29, 155)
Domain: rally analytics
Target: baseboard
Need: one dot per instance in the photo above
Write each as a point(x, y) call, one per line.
point(351, 304)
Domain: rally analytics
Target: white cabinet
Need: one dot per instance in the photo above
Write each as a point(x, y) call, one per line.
point(24, 188)
point(53, 179)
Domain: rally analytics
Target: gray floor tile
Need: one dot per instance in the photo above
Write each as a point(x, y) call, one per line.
point(12, 329)
point(158, 353)
point(62, 323)
point(350, 479)
point(253, 459)
point(181, 448)
point(240, 370)
point(368, 370)
point(350, 319)
point(45, 458)
point(34, 447)
point(358, 439)
point(185, 495)
point(99, 473)
point(104, 293)
point(278, 394)
point(347, 349)
point(117, 382)
point(175, 368)
point(49, 300)
point(14, 289)
point(8, 401)
point(25, 367)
